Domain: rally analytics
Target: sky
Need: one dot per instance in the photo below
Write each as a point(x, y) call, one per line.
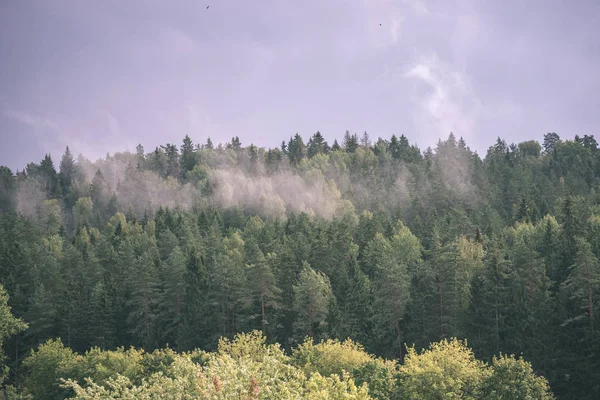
point(103, 76)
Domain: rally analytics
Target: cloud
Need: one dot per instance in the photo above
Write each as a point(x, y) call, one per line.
point(468, 37)
point(54, 132)
point(418, 7)
point(395, 29)
point(200, 124)
point(448, 104)
point(384, 21)
point(113, 125)
point(179, 41)
point(28, 118)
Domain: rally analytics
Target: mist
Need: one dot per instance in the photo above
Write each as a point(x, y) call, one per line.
point(321, 186)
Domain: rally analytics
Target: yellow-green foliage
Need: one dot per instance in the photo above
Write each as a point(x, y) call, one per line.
point(249, 368)
point(330, 357)
point(101, 365)
point(334, 358)
point(253, 345)
point(513, 378)
point(447, 370)
point(245, 368)
point(46, 366)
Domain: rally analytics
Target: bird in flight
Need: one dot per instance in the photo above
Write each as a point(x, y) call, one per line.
point(207, 7)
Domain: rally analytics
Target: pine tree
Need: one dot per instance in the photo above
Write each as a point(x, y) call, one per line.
point(67, 171)
point(142, 280)
point(583, 283)
point(296, 149)
point(317, 145)
point(365, 140)
point(9, 325)
point(169, 316)
point(140, 157)
point(392, 261)
point(227, 289)
point(188, 156)
point(7, 190)
point(173, 168)
point(335, 146)
point(550, 141)
point(49, 176)
point(312, 296)
point(100, 195)
point(264, 288)
point(254, 167)
point(350, 142)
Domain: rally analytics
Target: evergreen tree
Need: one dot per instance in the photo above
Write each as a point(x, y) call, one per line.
point(365, 140)
point(264, 287)
point(67, 171)
point(296, 149)
point(188, 156)
point(140, 157)
point(350, 142)
point(583, 283)
point(317, 145)
point(312, 296)
point(7, 190)
point(49, 176)
point(9, 325)
point(172, 161)
point(550, 141)
point(335, 146)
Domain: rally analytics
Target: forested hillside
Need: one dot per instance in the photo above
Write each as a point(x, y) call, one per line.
point(376, 241)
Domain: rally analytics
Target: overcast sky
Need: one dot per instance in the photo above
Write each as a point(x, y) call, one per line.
point(102, 76)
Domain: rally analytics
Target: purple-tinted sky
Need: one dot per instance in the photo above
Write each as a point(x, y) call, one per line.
point(102, 76)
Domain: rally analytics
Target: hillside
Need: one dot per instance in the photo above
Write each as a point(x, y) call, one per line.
point(376, 241)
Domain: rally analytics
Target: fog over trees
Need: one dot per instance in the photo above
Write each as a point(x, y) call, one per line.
point(367, 268)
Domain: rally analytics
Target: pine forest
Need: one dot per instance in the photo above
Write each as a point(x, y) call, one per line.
point(360, 269)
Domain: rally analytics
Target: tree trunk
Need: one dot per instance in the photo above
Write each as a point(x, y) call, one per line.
point(233, 320)
point(310, 322)
point(397, 323)
point(147, 318)
point(441, 288)
point(262, 308)
point(590, 298)
point(16, 369)
point(497, 332)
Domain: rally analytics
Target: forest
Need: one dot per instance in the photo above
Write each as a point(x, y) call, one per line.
point(352, 270)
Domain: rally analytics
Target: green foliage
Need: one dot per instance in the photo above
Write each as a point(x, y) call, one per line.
point(247, 367)
point(46, 366)
point(243, 368)
point(446, 370)
point(9, 325)
point(312, 296)
point(513, 379)
point(374, 240)
point(333, 357)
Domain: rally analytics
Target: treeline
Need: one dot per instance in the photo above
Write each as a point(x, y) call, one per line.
point(249, 368)
point(377, 242)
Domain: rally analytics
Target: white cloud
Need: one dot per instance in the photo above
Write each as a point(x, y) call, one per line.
point(418, 7)
point(29, 119)
point(113, 125)
point(200, 125)
point(467, 37)
point(448, 105)
point(384, 20)
point(395, 29)
point(179, 41)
